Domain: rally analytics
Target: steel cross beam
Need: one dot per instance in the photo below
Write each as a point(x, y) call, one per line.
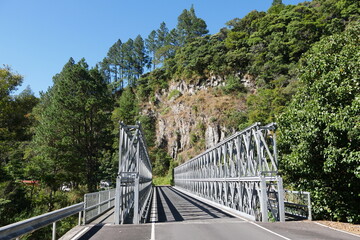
point(133, 183)
point(240, 173)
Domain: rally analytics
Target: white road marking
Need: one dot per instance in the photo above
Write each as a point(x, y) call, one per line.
point(80, 233)
point(270, 231)
point(337, 229)
point(153, 215)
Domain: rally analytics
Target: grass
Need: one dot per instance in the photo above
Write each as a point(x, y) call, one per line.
point(160, 181)
point(174, 94)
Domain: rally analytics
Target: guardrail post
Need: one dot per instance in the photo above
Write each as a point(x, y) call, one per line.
point(281, 199)
point(85, 206)
point(99, 201)
point(263, 200)
point(309, 207)
point(109, 197)
point(54, 231)
point(79, 222)
point(117, 200)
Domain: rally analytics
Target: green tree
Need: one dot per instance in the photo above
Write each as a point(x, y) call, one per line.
point(190, 26)
point(162, 35)
point(320, 134)
point(127, 109)
point(127, 51)
point(141, 58)
point(151, 46)
point(15, 124)
point(276, 2)
point(115, 61)
point(9, 82)
point(73, 128)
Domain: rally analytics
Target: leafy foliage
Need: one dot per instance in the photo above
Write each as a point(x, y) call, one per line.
point(190, 26)
point(15, 123)
point(320, 128)
point(128, 108)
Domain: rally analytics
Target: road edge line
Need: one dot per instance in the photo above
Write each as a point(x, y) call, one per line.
point(352, 234)
point(264, 228)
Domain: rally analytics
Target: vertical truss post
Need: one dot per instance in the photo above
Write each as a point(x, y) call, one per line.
point(263, 200)
point(118, 190)
point(136, 219)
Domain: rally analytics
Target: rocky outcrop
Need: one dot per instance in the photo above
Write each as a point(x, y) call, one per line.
point(191, 117)
point(191, 88)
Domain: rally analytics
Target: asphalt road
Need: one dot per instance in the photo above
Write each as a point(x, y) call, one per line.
point(177, 216)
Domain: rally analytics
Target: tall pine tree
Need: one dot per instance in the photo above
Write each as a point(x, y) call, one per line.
point(190, 26)
point(73, 127)
point(141, 58)
point(151, 45)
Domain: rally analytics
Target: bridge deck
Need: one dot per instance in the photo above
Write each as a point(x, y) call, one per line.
point(179, 216)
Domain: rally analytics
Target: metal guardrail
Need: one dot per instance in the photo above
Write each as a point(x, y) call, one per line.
point(298, 204)
point(239, 173)
point(97, 203)
point(18, 229)
point(93, 206)
point(133, 184)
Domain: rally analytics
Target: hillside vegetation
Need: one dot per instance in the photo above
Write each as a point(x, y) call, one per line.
point(297, 65)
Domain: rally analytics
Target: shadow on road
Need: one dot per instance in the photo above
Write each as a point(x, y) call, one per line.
point(92, 232)
point(173, 205)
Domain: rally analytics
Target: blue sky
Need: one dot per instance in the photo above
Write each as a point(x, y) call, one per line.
point(39, 36)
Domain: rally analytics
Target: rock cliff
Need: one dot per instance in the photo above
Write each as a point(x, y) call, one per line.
point(191, 117)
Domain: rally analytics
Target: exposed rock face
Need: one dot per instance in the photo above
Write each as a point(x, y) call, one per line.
point(249, 82)
point(191, 116)
point(192, 88)
point(213, 135)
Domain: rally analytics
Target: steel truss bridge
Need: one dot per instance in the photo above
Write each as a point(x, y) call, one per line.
point(231, 191)
point(240, 173)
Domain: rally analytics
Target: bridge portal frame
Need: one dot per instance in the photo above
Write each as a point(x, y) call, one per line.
point(133, 183)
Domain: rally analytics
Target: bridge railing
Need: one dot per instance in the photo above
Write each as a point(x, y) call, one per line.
point(97, 203)
point(133, 184)
point(239, 173)
point(298, 204)
point(18, 229)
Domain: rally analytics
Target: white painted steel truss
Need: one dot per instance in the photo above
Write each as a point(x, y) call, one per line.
point(240, 173)
point(133, 184)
